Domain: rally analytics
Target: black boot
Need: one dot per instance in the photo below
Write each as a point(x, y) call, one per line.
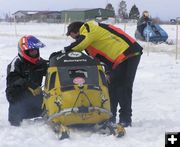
point(125, 123)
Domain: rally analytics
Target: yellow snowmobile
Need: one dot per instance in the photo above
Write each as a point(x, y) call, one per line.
point(76, 93)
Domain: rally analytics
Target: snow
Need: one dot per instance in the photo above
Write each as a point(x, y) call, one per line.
point(155, 98)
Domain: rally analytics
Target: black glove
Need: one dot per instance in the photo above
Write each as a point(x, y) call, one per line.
point(67, 49)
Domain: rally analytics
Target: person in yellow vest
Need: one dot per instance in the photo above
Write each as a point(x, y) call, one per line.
point(121, 54)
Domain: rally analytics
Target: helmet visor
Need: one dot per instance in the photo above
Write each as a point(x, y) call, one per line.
point(34, 43)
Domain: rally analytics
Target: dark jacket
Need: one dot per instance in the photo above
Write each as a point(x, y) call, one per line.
point(21, 75)
point(142, 23)
point(144, 20)
point(106, 42)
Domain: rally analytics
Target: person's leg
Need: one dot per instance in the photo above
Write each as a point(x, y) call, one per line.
point(127, 73)
point(113, 102)
point(35, 107)
point(25, 108)
point(141, 28)
point(16, 113)
point(116, 75)
point(121, 71)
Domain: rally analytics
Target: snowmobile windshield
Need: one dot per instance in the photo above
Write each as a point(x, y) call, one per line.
point(88, 73)
point(78, 73)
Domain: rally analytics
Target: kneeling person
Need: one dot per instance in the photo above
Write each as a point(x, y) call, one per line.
point(24, 78)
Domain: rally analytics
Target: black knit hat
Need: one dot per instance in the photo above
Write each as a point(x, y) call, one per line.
point(74, 27)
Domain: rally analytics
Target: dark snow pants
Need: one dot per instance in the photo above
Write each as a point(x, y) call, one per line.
point(120, 88)
point(141, 28)
point(28, 107)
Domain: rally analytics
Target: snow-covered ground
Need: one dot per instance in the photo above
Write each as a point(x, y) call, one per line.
point(156, 104)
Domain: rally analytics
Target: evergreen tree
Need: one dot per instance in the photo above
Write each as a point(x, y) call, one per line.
point(110, 7)
point(134, 13)
point(122, 11)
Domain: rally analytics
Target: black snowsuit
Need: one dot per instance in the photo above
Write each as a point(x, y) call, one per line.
point(121, 87)
point(142, 23)
point(21, 74)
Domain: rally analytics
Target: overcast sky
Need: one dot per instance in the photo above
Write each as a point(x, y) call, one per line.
point(165, 9)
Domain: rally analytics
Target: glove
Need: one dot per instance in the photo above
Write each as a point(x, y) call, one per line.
point(56, 53)
point(67, 49)
point(36, 91)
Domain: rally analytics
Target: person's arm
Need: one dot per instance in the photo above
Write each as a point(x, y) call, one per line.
point(35, 86)
point(78, 41)
point(81, 43)
point(15, 86)
point(143, 21)
point(148, 20)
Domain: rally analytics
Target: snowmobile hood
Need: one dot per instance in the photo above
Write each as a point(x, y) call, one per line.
point(72, 59)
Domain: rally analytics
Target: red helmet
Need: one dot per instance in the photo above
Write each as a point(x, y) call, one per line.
point(28, 48)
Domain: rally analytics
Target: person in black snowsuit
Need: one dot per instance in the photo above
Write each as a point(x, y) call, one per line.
point(142, 22)
point(24, 78)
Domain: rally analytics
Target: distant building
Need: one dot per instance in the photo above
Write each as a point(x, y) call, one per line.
point(85, 14)
point(37, 16)
point(22, 16)
point(63, 16)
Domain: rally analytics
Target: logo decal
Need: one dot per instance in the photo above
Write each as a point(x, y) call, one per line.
point(74, 54)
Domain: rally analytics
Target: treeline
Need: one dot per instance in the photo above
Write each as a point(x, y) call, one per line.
point(122, 14)
point(134, 13)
